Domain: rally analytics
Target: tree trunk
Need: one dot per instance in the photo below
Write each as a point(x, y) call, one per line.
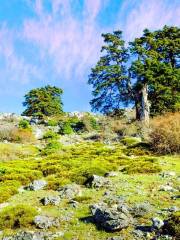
point(142, 105)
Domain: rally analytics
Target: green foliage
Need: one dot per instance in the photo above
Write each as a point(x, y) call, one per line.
point(65, 128)
point(52, 123)
point(52, 147)
point(24, 124)
point(109, 77)
point(129, 141)
point(154, 68)
point(50, 135)
point(157, 64)
point(7, 189)
point(17, 216)
point(45, 101)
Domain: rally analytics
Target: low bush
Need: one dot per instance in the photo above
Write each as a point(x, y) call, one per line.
point(130, 141)
point(17, 216)
point(50, 135)
point(8, 189)
point(165, 134)
point(52, 147)
point(52, 123)
point(24, 124)
point(65, 128)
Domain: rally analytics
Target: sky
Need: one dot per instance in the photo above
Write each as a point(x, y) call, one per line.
point(57, 42)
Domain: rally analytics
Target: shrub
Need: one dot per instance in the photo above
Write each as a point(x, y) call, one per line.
point(52, 123)
point(130, 141)
point(17, 216)
point(52, 147)
point(24, 124)
point(22, 136)
point(65, 128)
point(8, 189)
point(165, 134)
point(50, 135)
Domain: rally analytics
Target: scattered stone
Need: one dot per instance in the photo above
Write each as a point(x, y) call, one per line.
point(175, 197)
point(70, 191)
point(96, 181)
point(173, 209)
point(140, 209)
point(138, 235)
point(116, 238)
point(3, 205)
point(168, 174)
point(45, 222)
point(167, 188)
point(36, 185)
point(157, 223)
point(30, 235)
point(111, 174)
point(73, 203)
point(110, 218)
point(50, 200)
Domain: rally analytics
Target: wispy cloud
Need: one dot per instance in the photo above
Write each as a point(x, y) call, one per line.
point(143, 14)
point(72, 44)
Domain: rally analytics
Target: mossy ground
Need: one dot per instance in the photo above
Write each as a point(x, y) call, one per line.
point(138, 180)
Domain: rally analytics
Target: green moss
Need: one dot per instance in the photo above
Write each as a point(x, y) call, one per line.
point(129, 141)
point(17, 216)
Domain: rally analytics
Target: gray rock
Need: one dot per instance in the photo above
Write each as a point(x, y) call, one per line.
point(45, 222)
point(30, 235)
point(36, 185)
point(110, 218)
point(115, 238)
point(168, 174)
point(157, 223)
point(50, 200)
point(111, 174)
point(167, 188)
point(70, 191)
point(138, 235)
point(73, 203)
point(96, 181)
point(140, 209)
point(173, 209)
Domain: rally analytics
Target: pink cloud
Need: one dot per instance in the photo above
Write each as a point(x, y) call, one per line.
point(73, 45)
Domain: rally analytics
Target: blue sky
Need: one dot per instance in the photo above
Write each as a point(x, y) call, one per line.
point(58, 41)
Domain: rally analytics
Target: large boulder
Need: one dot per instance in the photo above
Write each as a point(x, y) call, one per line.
point(50, 200)
point(70, 191)
point(36, 185)
point(111, 218)
point(45, 222)
point(96, 181)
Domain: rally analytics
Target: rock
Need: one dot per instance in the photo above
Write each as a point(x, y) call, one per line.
point(173, 209)
point(3, 205)
point(140, 209)
point(36, 185)
point(45, 222)
point(30, 235)
point(175, 197)
point(73, 203)
point(157, 223)
point(96, 181)
point(115, 238)
point(110, 218)
point(167, 188)
point(111, 174)
point(70, 191)
point(50, 200)
point(168, 174)
point(138, 235)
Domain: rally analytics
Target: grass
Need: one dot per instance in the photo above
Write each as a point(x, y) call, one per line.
point(138, 181)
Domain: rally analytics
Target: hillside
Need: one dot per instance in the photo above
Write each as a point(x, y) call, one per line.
point(90, 182)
